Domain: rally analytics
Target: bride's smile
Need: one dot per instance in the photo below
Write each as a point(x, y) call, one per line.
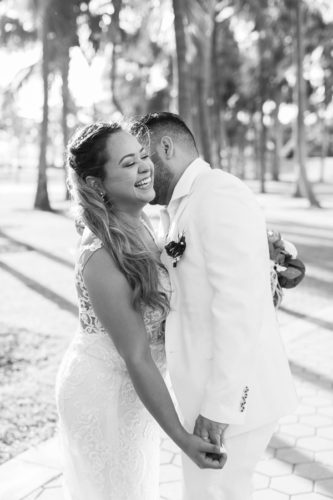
point(145, 183)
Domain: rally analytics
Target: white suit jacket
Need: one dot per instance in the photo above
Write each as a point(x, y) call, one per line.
point(224, 352)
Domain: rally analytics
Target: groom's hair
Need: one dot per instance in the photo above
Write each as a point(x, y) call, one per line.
point(153, 126)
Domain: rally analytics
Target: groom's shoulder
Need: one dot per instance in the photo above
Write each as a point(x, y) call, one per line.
point(217, 180)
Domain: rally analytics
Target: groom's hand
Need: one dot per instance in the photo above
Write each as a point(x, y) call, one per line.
point(209, 430)
point(213, 432)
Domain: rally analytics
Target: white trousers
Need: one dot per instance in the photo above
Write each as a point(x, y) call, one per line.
point(234, 481)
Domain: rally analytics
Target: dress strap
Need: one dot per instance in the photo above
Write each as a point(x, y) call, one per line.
point(87, 248)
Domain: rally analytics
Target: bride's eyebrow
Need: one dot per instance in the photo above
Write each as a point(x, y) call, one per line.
point(130, 155)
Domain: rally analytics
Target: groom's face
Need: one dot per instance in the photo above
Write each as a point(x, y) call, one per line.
point(162, 178)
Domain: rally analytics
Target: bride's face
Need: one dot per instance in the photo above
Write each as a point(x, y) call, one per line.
point(129, 172)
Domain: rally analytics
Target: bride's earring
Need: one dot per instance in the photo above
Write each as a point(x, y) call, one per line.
point(105, 199)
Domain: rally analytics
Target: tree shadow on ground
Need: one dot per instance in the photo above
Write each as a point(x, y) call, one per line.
point(41, 251)
point(301, 456)
point(327, 325)
point(310, 375)
point(45, 292)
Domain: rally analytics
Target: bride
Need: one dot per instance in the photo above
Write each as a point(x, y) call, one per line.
point(110, 390)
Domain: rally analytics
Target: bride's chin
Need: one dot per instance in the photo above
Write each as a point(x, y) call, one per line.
point(146, 196)
point(152, 195)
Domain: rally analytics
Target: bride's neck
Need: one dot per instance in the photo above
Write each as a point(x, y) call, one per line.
point(132, 219)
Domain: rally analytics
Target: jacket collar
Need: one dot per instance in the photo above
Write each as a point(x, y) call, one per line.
point(185, 183)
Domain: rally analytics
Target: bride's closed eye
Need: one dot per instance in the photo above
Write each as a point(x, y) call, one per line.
point(133, 162)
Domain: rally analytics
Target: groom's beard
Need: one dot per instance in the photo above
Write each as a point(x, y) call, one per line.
point(162, 180)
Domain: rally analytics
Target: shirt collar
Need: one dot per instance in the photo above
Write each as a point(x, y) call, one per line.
point(185, 183)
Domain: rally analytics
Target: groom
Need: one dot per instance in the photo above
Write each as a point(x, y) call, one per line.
point(225, 357)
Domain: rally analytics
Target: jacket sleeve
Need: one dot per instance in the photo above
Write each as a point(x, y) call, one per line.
point(235, 249)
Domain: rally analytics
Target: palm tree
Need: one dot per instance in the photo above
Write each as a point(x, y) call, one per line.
point(303, 187)
point(65, 101)
point(203, 16)
point(42, 198)
point(63, 25)
point(194, 22)
point(262, 85)
point(115, 35)
point(184, 80)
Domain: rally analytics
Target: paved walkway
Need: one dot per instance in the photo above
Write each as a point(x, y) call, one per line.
point(298, 464)
point(299, 460)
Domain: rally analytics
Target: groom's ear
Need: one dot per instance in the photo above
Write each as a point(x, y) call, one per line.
point(168, 147)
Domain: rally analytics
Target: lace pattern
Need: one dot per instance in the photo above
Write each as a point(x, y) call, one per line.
point(110, 441)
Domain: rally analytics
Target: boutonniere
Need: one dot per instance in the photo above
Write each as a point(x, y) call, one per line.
point(175, 249)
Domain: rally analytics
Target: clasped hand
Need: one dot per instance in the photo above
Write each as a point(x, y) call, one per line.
point(211, 432)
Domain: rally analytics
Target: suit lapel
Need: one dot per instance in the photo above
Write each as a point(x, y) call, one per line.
point(174, 219)
point(178, 204)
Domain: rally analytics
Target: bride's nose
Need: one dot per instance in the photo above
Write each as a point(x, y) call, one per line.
point(143, 167)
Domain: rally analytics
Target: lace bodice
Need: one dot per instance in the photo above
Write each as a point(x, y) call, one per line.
point(92, 332)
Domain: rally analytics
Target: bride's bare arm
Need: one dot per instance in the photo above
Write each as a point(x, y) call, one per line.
point(111, 298)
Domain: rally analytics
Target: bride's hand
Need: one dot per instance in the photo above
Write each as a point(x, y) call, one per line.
point(200, 452)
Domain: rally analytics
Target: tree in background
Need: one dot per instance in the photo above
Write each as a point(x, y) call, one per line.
point(303, 185)
point(228, 67)
point(183, 61)
point(194, 28)
point(42, 198)
point(62, 27)
point(116, 41)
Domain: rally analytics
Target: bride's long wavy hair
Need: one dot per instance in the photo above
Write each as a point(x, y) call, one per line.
point(87, 156)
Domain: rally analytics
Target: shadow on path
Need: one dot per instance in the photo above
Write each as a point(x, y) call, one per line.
point(301, 457)
point(311, 376)
point(41, 289)
point(327, 325)
point(45, 253)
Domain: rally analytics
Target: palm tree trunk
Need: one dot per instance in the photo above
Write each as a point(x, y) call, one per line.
point(303, 187)
point(183, 67)
point(223, 141)
point(204, 121)
point(116, 45)
point(42, 199)
point(65, 106)
point(241, 140)
point(262, 150)
point(324, 146)
point(204, 81)
point(256, 148)
point(195, 111)
point(216, 104)
point(278, 139)
point(262, 91)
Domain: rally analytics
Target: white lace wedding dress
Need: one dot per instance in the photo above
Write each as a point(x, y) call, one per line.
point(110, 442)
